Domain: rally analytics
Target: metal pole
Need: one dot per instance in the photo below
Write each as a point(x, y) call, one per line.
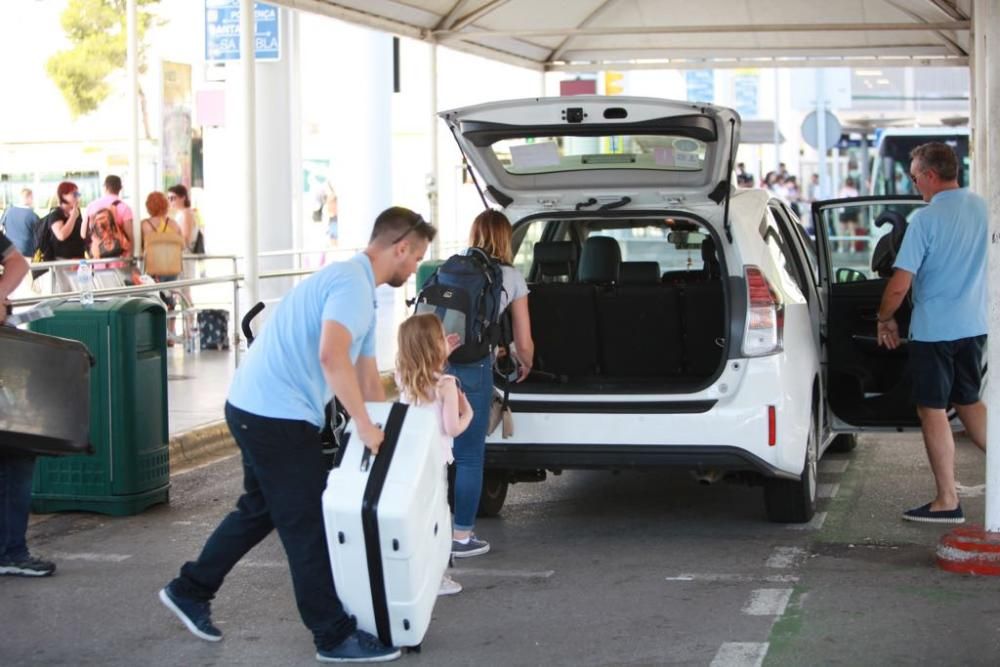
point(236, 313)
point(979, 95)
point(821, 148)
point(249, 194)
point(132, 67)
point(433, 191)
point(777, 118)
point(295, 131)
point(987, 18)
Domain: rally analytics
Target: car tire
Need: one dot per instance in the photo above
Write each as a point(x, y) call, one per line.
point(494, 493)
point(794, 500)
point(843, 443)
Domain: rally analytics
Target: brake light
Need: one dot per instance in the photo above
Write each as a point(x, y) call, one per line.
point(765, 316)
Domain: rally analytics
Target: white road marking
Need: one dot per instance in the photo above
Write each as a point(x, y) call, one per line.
point(95, 558)
point(815, 524)
point(827, 490)
point(182, 523)
point(768, 602)
point(504, 574)
point(735, 578)
point(786, 557)
point(970, 491)
point(834, 465)
point(263, 563)
point(740, 654)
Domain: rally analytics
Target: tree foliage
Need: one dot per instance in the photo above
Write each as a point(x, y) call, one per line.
point(98, 33)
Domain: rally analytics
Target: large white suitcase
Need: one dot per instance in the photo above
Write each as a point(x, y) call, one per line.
point(388, 525)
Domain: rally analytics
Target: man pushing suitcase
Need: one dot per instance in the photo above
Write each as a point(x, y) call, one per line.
point(320, 341)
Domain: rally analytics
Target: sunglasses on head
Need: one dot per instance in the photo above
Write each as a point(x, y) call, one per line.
point(415, 224)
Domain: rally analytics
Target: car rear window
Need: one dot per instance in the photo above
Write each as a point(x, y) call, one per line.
point(541, 155)
point(673, 249)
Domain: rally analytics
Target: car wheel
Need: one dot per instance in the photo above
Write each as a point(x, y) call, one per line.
point(494, 493)
point(843, 443)
point(794, 500)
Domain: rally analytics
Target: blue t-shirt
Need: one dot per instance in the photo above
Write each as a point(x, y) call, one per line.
point(281, 376)
point(946, 248)
point(20, 223)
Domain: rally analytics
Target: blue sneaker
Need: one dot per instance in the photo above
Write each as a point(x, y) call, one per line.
point(925, 514)
point(359, 647)
point(196, 616)
point(474, 547)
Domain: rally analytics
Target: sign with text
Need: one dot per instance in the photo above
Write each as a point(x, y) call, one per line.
point(222, 31)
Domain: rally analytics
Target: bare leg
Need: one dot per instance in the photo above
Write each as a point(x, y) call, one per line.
point(973, 418)
point(940, 446)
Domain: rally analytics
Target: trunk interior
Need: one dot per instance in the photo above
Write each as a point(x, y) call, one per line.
point(625, 306)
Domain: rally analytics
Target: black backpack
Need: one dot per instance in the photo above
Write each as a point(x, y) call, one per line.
point(464, 293)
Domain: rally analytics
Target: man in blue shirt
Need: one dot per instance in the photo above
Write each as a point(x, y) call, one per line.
point(20, 222)
point(319, 342)
point(943, 257)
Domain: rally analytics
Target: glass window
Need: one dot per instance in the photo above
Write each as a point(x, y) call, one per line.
point(524, 240)
point(780, 251)
point(675, 246)
point(855, 238)
point(542, 155)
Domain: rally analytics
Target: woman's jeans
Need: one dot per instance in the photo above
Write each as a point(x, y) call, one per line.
point(16, 470)
point(476, 380)
point(283, 480)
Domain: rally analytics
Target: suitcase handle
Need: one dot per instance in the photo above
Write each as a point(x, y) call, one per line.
point(366, 458)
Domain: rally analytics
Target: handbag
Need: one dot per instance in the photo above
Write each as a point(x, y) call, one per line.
point(163, 253)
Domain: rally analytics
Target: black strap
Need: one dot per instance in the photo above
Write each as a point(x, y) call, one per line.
point(369, 520)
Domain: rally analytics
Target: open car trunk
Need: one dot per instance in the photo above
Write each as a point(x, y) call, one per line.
point(623, 304)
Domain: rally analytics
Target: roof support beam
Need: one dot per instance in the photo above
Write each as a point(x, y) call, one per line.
point(949, 9)
point(709, 29)
point(943, 36)
point(477, 14)
point(449, 20)
point(759, 62)
point(559, 50)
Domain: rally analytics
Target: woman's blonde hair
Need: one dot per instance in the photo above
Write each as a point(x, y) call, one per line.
point(420, 356)
point(491, 231)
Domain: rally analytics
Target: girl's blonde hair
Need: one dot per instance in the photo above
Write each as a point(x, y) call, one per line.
point(491, 231)
point(421, 356)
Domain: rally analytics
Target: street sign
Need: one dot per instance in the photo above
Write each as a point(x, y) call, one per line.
point(222, 31)
point(700, 85)
point(810, 130)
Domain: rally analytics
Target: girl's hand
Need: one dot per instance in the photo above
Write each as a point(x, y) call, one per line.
point(453, 340)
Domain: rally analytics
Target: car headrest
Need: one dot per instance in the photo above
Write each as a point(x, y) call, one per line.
point(640, 273)
point(713, 270)
point(600, 261)
point(887, 247)
point(555, 258)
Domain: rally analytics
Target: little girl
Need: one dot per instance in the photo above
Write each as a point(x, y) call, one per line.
point(423, 350)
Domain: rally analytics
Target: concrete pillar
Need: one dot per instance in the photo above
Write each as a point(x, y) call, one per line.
point(987, 22)
point(980, 130)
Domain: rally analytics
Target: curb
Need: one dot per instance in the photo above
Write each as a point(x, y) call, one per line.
point(969, 550)
point(213, 440)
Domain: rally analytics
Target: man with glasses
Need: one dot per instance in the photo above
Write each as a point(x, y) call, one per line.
point(943, 257)
point(319, 342)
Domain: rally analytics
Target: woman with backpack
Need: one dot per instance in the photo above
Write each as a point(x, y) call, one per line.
point(491, 233)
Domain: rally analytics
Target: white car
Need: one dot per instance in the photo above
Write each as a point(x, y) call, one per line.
point(677, 321)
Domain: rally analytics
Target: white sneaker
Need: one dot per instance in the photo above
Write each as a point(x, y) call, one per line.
point(449, 586)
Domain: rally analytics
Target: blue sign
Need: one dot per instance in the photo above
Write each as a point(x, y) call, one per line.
point(700, 85)
point(222, 31)
point(745, 95)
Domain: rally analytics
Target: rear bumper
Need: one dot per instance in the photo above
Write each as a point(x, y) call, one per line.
point(610, 457)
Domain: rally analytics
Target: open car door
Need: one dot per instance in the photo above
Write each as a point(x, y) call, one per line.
point(867, 386)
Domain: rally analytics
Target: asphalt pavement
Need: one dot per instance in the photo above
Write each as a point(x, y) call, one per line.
point(587, 568)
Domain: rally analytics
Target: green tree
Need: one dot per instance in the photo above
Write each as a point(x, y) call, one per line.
point(98, 33)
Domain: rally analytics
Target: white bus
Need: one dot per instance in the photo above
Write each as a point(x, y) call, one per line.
point(890, 167)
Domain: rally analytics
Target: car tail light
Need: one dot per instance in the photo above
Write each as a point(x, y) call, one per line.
point(765, 316)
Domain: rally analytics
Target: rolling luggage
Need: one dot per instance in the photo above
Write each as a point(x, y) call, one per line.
point(44, 393)
point(213, 327)
point(388, 525)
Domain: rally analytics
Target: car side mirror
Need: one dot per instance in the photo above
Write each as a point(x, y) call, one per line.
point(845, 275)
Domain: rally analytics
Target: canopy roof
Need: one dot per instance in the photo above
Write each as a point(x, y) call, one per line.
point(588, 35)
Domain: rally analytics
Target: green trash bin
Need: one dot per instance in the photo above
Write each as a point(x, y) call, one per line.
point(426, 270)
point(130, 467)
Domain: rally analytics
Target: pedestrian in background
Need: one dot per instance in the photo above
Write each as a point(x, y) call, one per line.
point(943, 258)
point(20, 224)
point(183, 215)
point(319, 342)
point(111, 199)
point(16, 468)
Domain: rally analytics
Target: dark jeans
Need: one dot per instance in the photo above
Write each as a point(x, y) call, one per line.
point(476, 380)
point(15, 502)
point(283, 480)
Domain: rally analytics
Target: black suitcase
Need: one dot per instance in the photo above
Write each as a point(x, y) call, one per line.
point(44, 393)
point(213, 328)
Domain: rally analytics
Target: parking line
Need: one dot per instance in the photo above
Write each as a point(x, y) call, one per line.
point(735, 578)
point(92, 557)
point(827, 490)
point(768, 602)
point(502, 574)
point(834, 465)
point(740, 654)
point(786, 557)
point(815, 524)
